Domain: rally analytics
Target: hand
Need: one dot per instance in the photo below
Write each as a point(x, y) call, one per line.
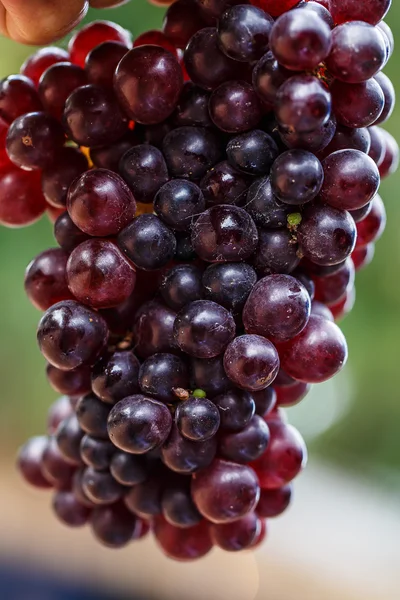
point(43, 21)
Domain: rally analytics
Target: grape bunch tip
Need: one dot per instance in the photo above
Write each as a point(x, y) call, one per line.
point(214, 190)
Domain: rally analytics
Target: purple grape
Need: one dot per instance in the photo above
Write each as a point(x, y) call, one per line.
point(273, 503)
point(234, 107)
point(296, 177)
point(253, 153)
point(71, 383)
point(71, 335)
point(243, 32)
point(184, 248)
point(251, 362)
point(190, 151)
point(67, 234)
point(153, 329)
point(224, 185)
point(203, 329)
point(92, 415)
point(303, 103)
point(332, 288)
point(241, 535)
point(224, 233)
point(45, 279)
point(100, 487)
point(181, 21)
point(390, 97)
point(357, 104)
point(265, 400)
point(57, 83)
point(30, 462)
point(197, 419)
point(277, 252)
point(315, 142)
point(377, 150)
point(263, 206)
point(144, 170)
point(144, 499)
point(184, 456)
point(236, 408)
point(208, 374)
point(18, 96)
point(350, 10)
point(116, 376)
point(55, 468)
point(69, 510)
point(246, 445)
point(69, 435)
point(178, 202)
point(60, 409)
point(113, 526)
point(229, 284)
point(180, 544)
point(268, 76)
point(108, 157)
point(128, 469)
point(96, 453)
point(192, 108)
point(181, 285)
point(360, 213)
point(177, 505)
point(161, 374)
point(59, 175)
point(102, 61)
point(320, 310)
point(320, 9)
point(138, 424)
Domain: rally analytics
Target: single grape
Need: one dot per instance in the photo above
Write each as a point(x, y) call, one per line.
point(190, 151)
point(296, 177)
point(192, 107)
point(36, 64)
point(330, 289)
point(177, 505)
point(300, 40)
point(178, 202)
point(315, 142)
point(78, 491)
point(377, 149)
point(303, 103)
point(244, 31)
point(278, 308)
point(184, 456)
point(225, 491)
point(224, 233)
point(373, 225)
point(234, 107)
point(57, 83)
point(182, 544)
point(144, 170)
point(30, 462)
point(203, 329)
point(357, 104)
point(92, 415)
point(273, 503)
point(161, 374)
point(54, 466)
point(263, 206)
point(317, 354)
point(237, 536)
point(71, 335)
point(208, 374)
point(265, 401)
point(363, 256)
point(320, 310)
point(224, 185)
point(155, 37)
point(116, 376)
point(113, 526)
point(321, 8)
point(71, 383)
point(92, 35)
point(391, 161)
point(345, 306)
point(181, 285)
point(137, 424)
point(246, 445)
point(92, 116)
point(33, 140)
point(102, 61)
point(96, 453)
point(251, 362)
point(197, 419)
point(181, 21)
point(305, 278)
point(67, 234)
point(351, 10)
point(284, 458)
point(69, 435)
point(69, 510)
point(389, 39)
point(128, 469)
point(347, 138)
point(45, 279)
point(109, 156)
point(268, 76)
point(390, 97)
point(277, 252)
point(147, 242)
point(153, 329)
point(100, 487)
point(229, 284)
point(57, 177)
point(253, 153)
point(100, 203)
point(326, 235)
point(60, 409)
point(18, 96)
point(148, 81)
point(292, 394)
point(236, 408)
point(144, 499)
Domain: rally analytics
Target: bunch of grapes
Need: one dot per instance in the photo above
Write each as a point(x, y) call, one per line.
point(214, 190)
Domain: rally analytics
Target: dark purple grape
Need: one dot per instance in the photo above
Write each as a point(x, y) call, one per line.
point(300, 40)
point(100, 487)
point(234, 107)
point(59, 175)
point(113, 526)
point(69, 435)
point(357, 104)
point(296, 177)
point(93, 118)
point(236, 409)
point(351, 10)
point(332, 288)
point(315, 141)
point(153, 134)
point(251, 362)
point(303, 103)
point(243, 32)
point(148, 81)
point(161, 374)
point(351, 179)
point(60, 409)
point(77, 488)
point(192, 108)
point(265, 401)
point(182, 455)
point(237, 536)
point(147, 242)
point(45, 279)
point(277, 252)
point(190, 151)
point(180, 544)
point(69, 510)
point(181, 285)
point(144, 499)
point(18, 96)
point(182, 20)
point(224, 233)
point(205, 63)
point(320, 8)
point(326, 235)
point(128, 469)
point(229, 284)
point(278, 308)
point(177, 505)
point(92, 415)
point(390, 97)
point(100, 203)
point(153, 329)
point(33, 140)
point(184, 248)
point(96, 453)
point(268, 76)
point(138, 424)
point(99, 274)
point(144, 170)
point(360, 213)
point(57, 83)
point(273, 503)
point(197, 419)
point(116, 376)
point(224, 185)
point(71, 335)
point(358, 52)
point(208, 374)
point(264, 208)
point(306, 280)
point(225, 491)
point(346, 138)
point(253, 153)
point(377, 149)
point(246, 445)
point(102, 61)
point(67, 234)
point(108, 157)
point(178, 202)
point(30, 462)
point(203, 329)
point(54, 466)
point(71, 383)
point(389, 38)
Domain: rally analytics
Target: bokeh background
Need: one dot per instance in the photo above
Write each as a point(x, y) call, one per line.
point(352, 425)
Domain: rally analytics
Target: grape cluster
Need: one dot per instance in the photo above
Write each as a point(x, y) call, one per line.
point(214, 187)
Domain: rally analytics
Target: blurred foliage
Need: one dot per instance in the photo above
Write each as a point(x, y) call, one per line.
point(366, 437)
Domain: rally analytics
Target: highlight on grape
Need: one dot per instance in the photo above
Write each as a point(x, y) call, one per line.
point(214, 190)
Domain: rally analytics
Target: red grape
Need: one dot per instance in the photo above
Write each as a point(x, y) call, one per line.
point(92, 35)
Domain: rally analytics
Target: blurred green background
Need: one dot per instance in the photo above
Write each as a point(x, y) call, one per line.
point(364, 435)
